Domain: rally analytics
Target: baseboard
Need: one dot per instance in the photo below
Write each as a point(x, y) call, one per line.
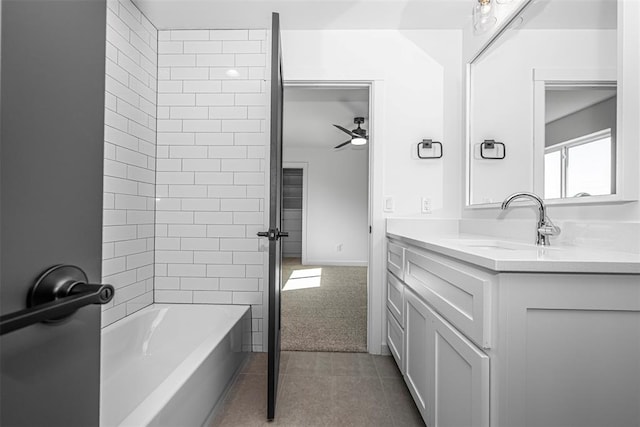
point(384, 350)
point(337, 263)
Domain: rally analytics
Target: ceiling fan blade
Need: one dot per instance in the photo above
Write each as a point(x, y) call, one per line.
point(343, 144)
point(347, 131)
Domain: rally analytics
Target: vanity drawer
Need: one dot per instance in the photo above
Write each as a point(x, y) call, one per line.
point(395, 298)
point(395, 259)
point(459, 292)
point(395, 340)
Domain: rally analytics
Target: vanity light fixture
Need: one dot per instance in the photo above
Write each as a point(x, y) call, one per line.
point(429, 149)
point(484, 16)
point(492, 150)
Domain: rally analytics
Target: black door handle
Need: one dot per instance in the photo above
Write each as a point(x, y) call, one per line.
point(57, 294)
point(273, 234)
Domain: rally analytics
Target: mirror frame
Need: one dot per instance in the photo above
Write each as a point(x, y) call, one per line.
point(628, 106)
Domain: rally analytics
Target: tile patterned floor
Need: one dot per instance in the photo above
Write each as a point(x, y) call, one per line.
point(322, 389)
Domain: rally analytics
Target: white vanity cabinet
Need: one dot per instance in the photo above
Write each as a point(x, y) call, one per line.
point(395, 259)
point(569, 353)
point(395, 319)
point(418, 337)
point(459, 292)
point(521, 347)
point(459, 378)
point(446, 373)
point(395, 302)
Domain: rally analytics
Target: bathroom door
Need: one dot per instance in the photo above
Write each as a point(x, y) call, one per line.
point(51, 162)
point(275, 219)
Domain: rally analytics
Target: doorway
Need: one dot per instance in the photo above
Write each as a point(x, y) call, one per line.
point(326, 212)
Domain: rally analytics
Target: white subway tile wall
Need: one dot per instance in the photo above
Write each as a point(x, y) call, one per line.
point(210, 184)
point(130, 159)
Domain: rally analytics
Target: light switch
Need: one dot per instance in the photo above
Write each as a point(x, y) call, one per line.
point(388, 204)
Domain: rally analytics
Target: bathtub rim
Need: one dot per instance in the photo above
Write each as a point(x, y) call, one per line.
point(145, 412)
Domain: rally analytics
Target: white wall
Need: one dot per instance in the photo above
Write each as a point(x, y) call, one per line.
point(410, 73)
point(129, 165)
point(337, 204)
point(310, 113)
point(211, 169)
point(414, 68)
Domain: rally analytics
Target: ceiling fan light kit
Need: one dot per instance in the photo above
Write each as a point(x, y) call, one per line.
point(358, 136)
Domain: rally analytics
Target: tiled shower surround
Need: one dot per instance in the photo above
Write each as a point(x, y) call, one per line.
point(210, 181)
point(187, 195)
point(129, 165)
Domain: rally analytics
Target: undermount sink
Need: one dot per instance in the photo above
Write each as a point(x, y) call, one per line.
point(490, 244)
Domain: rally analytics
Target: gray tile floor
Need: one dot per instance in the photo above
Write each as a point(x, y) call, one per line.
point(322, 389)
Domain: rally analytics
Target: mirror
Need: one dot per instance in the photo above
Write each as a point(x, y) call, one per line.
point(579, 139)
point(542, 105)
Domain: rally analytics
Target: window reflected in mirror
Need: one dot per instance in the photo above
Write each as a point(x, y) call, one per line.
point(579, 153)
point(580, 167)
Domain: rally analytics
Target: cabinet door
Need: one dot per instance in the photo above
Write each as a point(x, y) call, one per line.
point(395, 259)
point(418, 329)
point(460, 373)
point(395, 297)
point(395, 340)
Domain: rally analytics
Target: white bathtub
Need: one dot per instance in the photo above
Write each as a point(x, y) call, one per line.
point(169, 364)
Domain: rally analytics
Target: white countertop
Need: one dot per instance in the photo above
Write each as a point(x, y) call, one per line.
point(503, 255)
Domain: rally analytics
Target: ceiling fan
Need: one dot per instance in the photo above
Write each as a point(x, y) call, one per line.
point(358, 136)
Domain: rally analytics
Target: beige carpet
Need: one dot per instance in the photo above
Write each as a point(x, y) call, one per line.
point(324, 308)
